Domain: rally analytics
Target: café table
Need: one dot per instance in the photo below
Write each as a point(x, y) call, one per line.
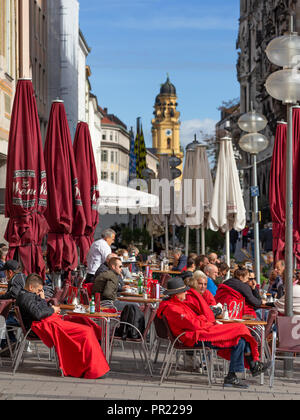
point(103, 319)
point(258, 328)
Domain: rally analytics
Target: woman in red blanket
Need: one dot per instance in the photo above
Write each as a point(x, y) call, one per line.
point(77, 346)
point(199, 324)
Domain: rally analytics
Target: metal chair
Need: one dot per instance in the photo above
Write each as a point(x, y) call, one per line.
point(288, 334)
point(141, 341)
point(161, 338)
point(29, 337)
point(5, 308)
point(178, 346)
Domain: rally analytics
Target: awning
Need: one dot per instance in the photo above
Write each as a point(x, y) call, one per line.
point(119, 198)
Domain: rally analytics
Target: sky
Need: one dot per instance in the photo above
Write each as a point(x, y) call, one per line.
point(135, 43)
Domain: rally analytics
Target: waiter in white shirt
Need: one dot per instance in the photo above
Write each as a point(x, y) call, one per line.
point(98, 253)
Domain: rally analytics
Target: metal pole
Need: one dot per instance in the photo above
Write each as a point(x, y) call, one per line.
point(203, 245)
point(228, 262)
point(187, 240)
point(256, 223)
point(198, 241)
point(288, 364)
point(167, 235)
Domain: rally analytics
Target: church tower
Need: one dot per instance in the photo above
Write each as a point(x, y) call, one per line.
point(166, 124)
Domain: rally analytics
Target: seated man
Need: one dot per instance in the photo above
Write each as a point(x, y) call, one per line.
point(212, 273)
point(77, 347)
point(198, 328)
point(105, 266)
point(110, 283)
point(180, 260)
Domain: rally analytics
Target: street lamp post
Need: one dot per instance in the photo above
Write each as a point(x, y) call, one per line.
point(254, 143)
point(284, 85)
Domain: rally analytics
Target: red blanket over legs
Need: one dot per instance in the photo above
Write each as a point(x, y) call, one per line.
point(77, 347)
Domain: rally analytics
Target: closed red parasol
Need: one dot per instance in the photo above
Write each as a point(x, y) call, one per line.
point(296, 184)
point(88, 185)
point(277, 191)
point(64, 199)
point(26, 185)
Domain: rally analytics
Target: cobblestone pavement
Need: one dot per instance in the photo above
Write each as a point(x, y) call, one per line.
point(39, 380)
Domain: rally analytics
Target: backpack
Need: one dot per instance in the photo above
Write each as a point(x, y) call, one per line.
point(133, 315)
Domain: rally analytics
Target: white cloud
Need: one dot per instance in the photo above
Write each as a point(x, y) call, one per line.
point(191, 127)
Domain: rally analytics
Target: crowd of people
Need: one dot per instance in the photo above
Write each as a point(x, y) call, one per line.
point(195, 299)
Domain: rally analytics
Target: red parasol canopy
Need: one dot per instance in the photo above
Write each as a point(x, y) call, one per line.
point(64, 199)
point(88, 185)
point(26, 185)
point(296, 185)
point(277, 191)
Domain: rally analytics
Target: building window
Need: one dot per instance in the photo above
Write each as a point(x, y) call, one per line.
point(104, 136)
point(112, 157)
point(104, 176)
point(111, 136)
point(104, 157)
point(169, 141)
point(112, 177)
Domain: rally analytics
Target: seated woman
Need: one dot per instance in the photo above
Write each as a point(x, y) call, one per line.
point(77, 347)
point(199, 283)
point(234, 338)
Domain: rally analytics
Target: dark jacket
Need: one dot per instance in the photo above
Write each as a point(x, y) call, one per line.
point(251, 296)
point(33, 308)
point(15, 285)
point(107, 284)
point(103, 267)
point(182, 262)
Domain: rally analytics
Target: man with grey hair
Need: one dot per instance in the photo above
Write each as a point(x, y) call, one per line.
point(180, 260)
point(98, 253)
point(212, 273)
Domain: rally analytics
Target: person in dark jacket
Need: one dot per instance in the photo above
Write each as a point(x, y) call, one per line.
point(241, 284)
point(32, 303)
point(16, 280)
point(180, 260)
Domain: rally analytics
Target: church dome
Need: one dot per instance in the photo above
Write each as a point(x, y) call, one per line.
point(168, 88)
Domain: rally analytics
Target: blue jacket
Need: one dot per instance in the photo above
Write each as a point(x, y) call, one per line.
point(211, 286)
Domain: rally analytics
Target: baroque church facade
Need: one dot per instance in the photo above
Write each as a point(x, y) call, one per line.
point(166, 124)
point(260, 22)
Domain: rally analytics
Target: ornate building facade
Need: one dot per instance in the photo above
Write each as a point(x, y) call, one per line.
point(166, 123)
point(260, 22)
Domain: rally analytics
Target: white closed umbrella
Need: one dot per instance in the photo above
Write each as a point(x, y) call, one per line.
point(228, 209)
point(202, 172)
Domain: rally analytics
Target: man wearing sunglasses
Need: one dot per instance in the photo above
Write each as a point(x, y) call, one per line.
point(108, 283)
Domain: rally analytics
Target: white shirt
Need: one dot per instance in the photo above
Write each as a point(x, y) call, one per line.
point(97, 255)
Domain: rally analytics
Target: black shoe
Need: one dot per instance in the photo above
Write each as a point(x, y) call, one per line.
point(231, 381)
point(260, 368)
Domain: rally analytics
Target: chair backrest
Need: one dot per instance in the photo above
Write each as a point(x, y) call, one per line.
point(288, 329)
point(72, 293)
point(61, 294)
point(160, 328)
point(171, 336)
point(5, 307)
point(164, 280)
point(271, 320)
point(84, 297)
point(20, 320)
